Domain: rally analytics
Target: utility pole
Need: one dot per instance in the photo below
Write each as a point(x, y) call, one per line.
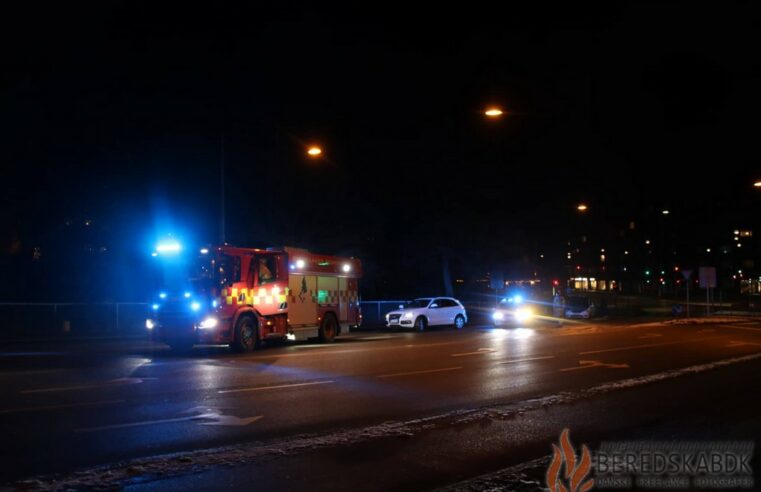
point(222, 190)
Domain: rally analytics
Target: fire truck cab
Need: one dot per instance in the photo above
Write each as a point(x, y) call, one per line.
point(244, 296)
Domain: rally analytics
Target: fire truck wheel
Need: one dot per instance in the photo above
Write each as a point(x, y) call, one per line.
point(459, 322)
point(245, 334)
point(328, 328)
point(421, 323)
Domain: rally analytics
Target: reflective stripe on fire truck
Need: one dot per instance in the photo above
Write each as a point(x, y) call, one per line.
point(246, 296)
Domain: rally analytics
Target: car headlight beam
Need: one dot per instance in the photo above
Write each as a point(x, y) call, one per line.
point(208, 323)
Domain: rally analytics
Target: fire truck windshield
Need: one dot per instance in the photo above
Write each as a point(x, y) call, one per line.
point(226, 270)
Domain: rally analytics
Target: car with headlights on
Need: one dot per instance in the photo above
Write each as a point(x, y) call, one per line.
point(428, 311)
point(512, 311)
point(580, 307)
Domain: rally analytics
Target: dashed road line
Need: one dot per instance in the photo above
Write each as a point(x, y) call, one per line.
point(517, 361)
point(646, 345)
point(64, 406)
point(425, 371)
point(480, 351)
point(279, 386)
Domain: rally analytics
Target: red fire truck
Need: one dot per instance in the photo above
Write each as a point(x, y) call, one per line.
point(244, 296)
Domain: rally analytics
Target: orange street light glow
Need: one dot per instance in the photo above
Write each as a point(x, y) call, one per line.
point(493, 112)
point(757, 184)
point(582, 207)
point(314, 151)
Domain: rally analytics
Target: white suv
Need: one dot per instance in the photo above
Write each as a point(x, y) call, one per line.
point(428, 311)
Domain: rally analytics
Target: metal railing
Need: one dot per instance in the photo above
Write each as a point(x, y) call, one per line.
point(23, 320)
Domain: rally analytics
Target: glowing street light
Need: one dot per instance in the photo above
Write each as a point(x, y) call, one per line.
point(493, 112)
point(582, 207)
point(757, 184)
point(314, 151)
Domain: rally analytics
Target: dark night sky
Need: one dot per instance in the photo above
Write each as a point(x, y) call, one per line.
point(114, 111)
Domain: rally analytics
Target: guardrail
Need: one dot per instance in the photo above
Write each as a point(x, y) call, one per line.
point(20, 320)
point(374, 312)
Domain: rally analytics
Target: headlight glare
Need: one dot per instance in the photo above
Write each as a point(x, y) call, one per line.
point(208, 323)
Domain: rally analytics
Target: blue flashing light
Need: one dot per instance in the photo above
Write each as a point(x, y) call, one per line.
point(169, 247)
point(195, 306)
point(204, 251)
point(155, 307)
point(518, 299)
point(187, 295)
point(162, 295)
point(214, 303)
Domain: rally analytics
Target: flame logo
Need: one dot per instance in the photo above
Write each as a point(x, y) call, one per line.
point(574, 473)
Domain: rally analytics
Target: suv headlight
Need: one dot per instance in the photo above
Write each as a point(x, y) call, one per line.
point(407, 315)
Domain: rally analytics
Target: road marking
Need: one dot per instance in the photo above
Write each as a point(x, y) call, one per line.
point(651, 335)
point(279, 386)
point(480, 351)
point(33, 372)
point(516, 361)
point(113, 382)
point(411, 373)
point(735, 343)
point(322, 350)
point(59, 407)
point(210, 417)
point(736, 327)
point(647, 345)
point(589, 364)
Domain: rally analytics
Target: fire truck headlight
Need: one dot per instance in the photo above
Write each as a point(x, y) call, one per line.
point(195, 306)
point(523, 314)
point(498, 316)
point(299, 264)
point(155, 307)
point(346, 268)
point(208, 323)
point(149, 324)
point(162, 295)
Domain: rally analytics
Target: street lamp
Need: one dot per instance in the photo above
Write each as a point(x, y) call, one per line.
point(582, 207)
point(757, 184)
point(314, 151)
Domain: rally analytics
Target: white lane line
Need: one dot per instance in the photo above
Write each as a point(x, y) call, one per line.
point(33, 372)
point(106, 384)
point(589, 364)
point(147, 422)
point(647, 345)
point(322, 351)
point(736, 343)
point(412, 373)
point(480, 351)
point(279, 386)
point(517, 361)
point(7, 411)
point(736, 327)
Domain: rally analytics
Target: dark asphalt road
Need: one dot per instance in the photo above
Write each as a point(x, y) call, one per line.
point(72, 407)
